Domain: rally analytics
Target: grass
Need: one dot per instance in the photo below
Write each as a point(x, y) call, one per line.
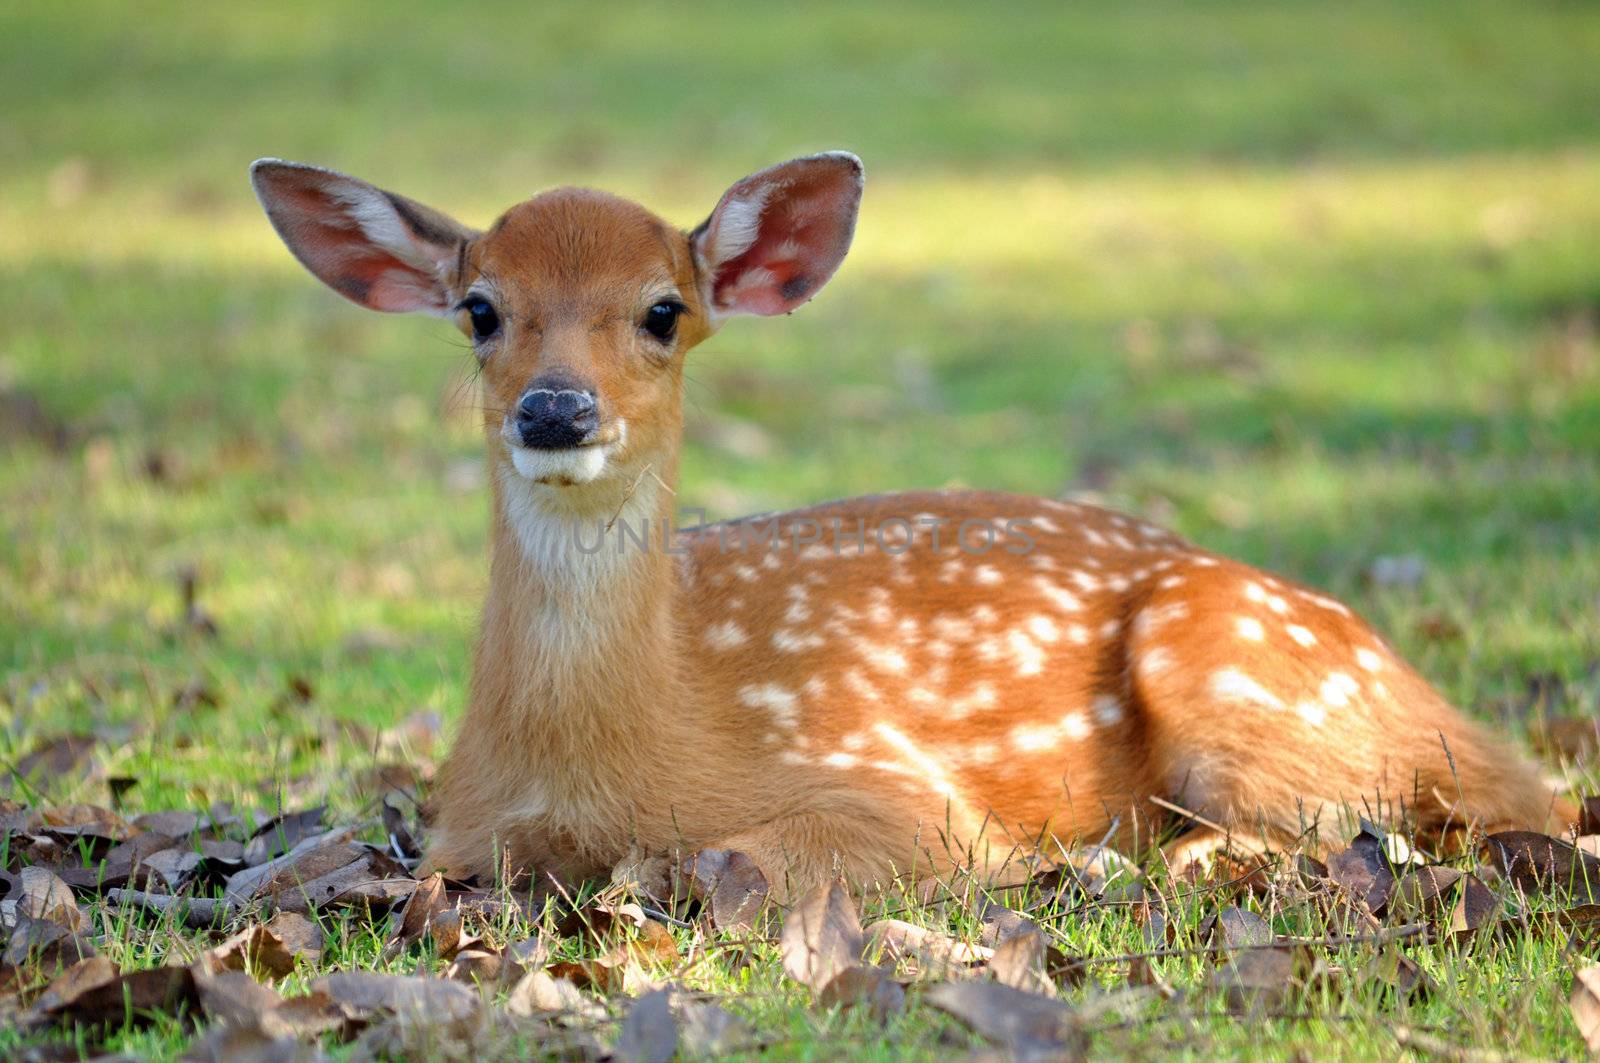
point(1315, 285)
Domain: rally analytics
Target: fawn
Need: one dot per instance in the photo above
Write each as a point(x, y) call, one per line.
point(867, 685)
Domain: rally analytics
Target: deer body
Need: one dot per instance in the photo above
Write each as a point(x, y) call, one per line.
point(902, 682)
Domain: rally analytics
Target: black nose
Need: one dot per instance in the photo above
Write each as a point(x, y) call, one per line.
point(553, 418)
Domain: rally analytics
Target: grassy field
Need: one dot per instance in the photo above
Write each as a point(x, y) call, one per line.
point(1317, 285)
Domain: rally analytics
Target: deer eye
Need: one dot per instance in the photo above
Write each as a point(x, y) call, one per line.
point(661, 320)
point(485, 322)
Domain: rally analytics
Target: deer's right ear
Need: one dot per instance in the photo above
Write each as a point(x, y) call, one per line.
point(373, 247)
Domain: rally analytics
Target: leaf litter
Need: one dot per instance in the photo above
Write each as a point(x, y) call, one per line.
point(254, 900)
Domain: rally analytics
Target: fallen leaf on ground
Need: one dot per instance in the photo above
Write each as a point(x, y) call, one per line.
point(76, 980)
point(272, 947)
point(427, 903)
point(1363, 872)
point(1019, 962)
point(732, 885)
point(1399, 973)
point(43, 896)
point(282, 833)
point(821, 936)
point(541, 993)
point(1025, 1023)
point(1233, 927)
point(51, 758)
point(1538, 863)
point(868, 987)
point(708, 1029)
point(134, 997)
point(897, 939)
point(1257, 978)
point(248, 1044)
point(649, 1034)
point(1585, 1006)
point(1000, 923)
point(364, 995)
point(38, 944)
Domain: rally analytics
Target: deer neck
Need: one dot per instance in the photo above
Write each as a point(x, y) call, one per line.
point(579, 631)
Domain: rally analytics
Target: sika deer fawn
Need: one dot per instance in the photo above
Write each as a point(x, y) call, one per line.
point(867, 685)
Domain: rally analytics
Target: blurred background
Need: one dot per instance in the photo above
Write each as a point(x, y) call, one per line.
point(1319, 285)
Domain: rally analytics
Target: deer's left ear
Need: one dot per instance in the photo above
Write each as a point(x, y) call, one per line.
point(778, 235)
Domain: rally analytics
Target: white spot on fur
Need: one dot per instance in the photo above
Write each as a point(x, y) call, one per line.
point(1327, 603)
point(841, 760)
point(1108, 711)
point(931, 769)
point(1337, 689)
point(1059, 597)
point(884, 658)
point(1368, 659)
point(1025, 652)
point(773, 698)
point(1043, 629)
point(725, 636)
point(1301, 634)
point(1250, 628)
point(987, 575)
point(979, 697)
point(861, 685)
point(1312, 712)
point(793, 642)
point(1154, 661)
point(1230, 684)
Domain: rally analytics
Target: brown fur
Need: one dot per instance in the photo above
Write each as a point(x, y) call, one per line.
point(878, 711)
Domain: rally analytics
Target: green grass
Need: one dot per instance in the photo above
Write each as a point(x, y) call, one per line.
point(1314, 284)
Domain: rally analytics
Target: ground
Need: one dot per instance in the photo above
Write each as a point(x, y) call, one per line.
point(1319, 287)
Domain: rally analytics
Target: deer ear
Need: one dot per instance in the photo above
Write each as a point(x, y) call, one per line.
point(778, 235)
point(373, 247)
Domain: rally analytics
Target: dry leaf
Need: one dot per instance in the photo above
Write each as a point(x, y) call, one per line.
point(1398, 972)
point(1001, 923)
point(282, 833)
point(51, 758)
point(1363, 872)
point(248, 1044)
point(1538, 863)
point(649, 1034)
point(244, 884)
point(1589, 816)
point(731, 883)
point(46, 946)
point(1025, 1023)
point(540, 993)
point(76, 980)
point(868, 987)
point(1019, 962)
point(1256, 978)
point(897, 939)
point(427, 903)
point(364, 995)
point(132, 997)
point(1233, 927)
point(707, 1029)
point(272, 947)
point(44, 897)
point(821, 937)
point(1585, 1006)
